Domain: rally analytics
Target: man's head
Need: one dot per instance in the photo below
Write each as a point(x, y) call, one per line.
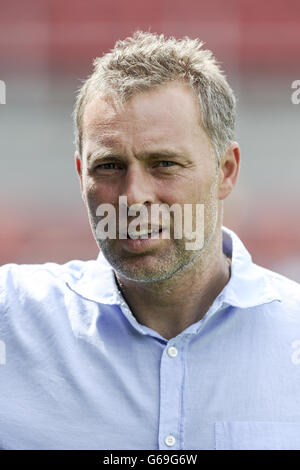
point(147, 60)
point(141, 134)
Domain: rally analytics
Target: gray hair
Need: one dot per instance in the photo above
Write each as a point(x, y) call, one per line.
point(147, 60)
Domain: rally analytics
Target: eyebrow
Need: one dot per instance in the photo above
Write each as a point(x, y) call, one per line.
point(153, 154)
point(101, 155)
point(159, 153)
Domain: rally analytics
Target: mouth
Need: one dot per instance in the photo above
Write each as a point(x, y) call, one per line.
point(142, 241)
point(144, 233)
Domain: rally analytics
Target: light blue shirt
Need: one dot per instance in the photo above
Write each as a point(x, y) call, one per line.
point(77, 371)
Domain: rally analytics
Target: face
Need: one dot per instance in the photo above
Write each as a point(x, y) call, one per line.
point(152, 150)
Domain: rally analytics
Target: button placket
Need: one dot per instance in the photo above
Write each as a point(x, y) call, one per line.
point(171, 386)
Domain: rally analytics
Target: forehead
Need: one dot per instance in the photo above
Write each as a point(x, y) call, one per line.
point(166, 113)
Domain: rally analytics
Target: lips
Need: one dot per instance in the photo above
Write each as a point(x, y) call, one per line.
point(144, 233)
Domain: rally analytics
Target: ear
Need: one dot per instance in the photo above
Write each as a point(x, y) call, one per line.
point(78, 164)
point(228, 170)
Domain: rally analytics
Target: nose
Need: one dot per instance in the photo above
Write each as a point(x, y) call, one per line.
point(138, 186)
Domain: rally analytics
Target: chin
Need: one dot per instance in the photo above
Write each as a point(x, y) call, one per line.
point(140, 272)
point(148, 267)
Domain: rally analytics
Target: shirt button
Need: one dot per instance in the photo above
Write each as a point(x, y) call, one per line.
point(172, 351)
point(170, 440)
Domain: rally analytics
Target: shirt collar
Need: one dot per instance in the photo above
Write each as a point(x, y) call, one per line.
point(248, 286)
point(96, 282)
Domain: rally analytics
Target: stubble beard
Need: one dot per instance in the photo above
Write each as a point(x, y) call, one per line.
point(166, 261)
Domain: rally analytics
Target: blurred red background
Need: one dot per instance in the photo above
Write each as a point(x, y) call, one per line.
point(47, 48)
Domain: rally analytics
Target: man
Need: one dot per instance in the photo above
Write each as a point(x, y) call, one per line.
point(154, 345)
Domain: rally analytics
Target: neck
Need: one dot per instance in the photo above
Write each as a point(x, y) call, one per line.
point(171, 305)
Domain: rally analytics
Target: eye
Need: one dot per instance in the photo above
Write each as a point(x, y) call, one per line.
point(165, 163)
point(108, 166)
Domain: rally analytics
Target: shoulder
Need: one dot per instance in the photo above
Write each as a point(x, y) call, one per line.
point(285, 286)
point(16, 277)
point(286, 290)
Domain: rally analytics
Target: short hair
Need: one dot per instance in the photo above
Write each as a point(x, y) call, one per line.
point(147, 60)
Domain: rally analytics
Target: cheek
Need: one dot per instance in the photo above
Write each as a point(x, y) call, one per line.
point(179, 190)
point(98, 193)
point(192, 193)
